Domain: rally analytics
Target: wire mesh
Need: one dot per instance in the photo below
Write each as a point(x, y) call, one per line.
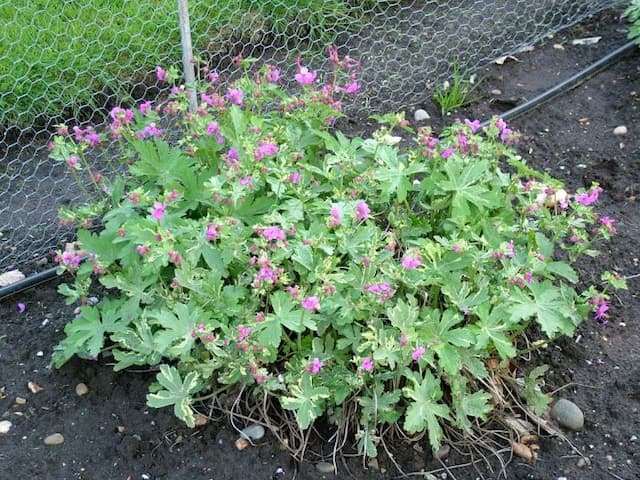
point(64, 60)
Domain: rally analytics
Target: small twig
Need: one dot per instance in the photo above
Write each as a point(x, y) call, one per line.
point(614, 475)
point(573, 384)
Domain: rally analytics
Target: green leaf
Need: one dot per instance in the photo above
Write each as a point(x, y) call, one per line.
point(547, 305)
point(491, 326)
point(564, 270)
point(306, 400)
point(536, 399)
point(174, 334)
point(380, 405)
point(176, 392)
point(424, 411)
point(136, 346)
point(303, 256)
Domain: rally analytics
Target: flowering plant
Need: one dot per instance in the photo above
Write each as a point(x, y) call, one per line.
point(257, 247)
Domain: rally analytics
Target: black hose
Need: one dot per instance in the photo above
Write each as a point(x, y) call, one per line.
point(568, 84)
point(562, 87)
point(30, 281)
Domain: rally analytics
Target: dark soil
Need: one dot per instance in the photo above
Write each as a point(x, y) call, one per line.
point(111, 434)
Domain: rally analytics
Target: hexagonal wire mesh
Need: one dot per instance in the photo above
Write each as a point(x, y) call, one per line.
point(64, 60)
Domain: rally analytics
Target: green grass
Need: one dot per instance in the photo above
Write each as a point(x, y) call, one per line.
point(452, 95)
point(56, 54)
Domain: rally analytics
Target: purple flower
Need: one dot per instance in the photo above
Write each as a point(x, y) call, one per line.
point(161, 74)
point(265, 149)
point(273, 74)
point(315, 366)
point(447, 153)
point(362, 211)
point(295, 177)
point(234, 95)
point(72, 161)
point(418, 353)
point(150, 130)
point(608, 222)
point(382, 289)
point(410, 262)
point(243, 333)
point(274, 233)
point(247, 182)
point(311, 303)
point(474, 126)
point(335, 220)
point(589, 198)
point(145, 108)
point(601, 312)
point(351, 89)
point(304, 76)
point(214, 129)
point(158, 210)
point(367, 364)
point(21, 307)
point(212, 231)
point(266, 273)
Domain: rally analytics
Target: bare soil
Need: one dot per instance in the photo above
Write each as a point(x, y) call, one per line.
point(111, 434)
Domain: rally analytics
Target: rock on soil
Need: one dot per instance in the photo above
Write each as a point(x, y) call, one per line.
point(568, 415)
point(54, 439)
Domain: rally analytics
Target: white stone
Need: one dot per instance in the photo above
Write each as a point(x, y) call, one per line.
point(10, 277)
point(253, 432)
point(620, 130)
point(5, 426)
point(421, 115)
point(54, 439)
point(325, 467)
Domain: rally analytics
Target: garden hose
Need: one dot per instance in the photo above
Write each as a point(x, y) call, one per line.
point(568, 84)
point(529, 105)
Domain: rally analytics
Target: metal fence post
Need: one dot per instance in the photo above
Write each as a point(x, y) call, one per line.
point(187, 54)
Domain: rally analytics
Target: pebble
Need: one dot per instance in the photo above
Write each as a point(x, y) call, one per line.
point(81, 389)
point(5, 426)
point(443, 452)
point(421, 115)
point(619, 131)
point(54, 439)
point(325, 467)
point(495, 92)
point(583, 462)
point(568, 414)
point(253, 432)
point(20, 401)
point(242, 443)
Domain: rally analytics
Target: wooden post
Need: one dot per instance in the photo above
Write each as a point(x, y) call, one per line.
point(187, 55)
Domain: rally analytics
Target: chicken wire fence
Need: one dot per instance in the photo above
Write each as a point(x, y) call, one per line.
point(69, 60)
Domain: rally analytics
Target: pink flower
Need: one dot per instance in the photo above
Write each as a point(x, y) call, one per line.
point(383, 290)
point(173, 195)
point(21, 307)
point(175, 257)
point(295, 177)
point(447, 153)
point(335, 220)
point(273, 74)
point(72, 161)
point(304, 76)
point(150, 130)
point(351, 89)
point(274, 233)
point(362, 211)
point(145, 108)
point(212, 231)
point(315, 366)
point(247, 182)
point(142, 250)
point(418, 353)
point(161, 74)
point(474, 126)
point(404, 341)
point(158, 210)
point(265, 149)
point(608, 222)
point(589, 198)
point(243, 332)
point(235, 95)
point(311, 303)
point(601, 312)
point(410, 262)
point(367, 364)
